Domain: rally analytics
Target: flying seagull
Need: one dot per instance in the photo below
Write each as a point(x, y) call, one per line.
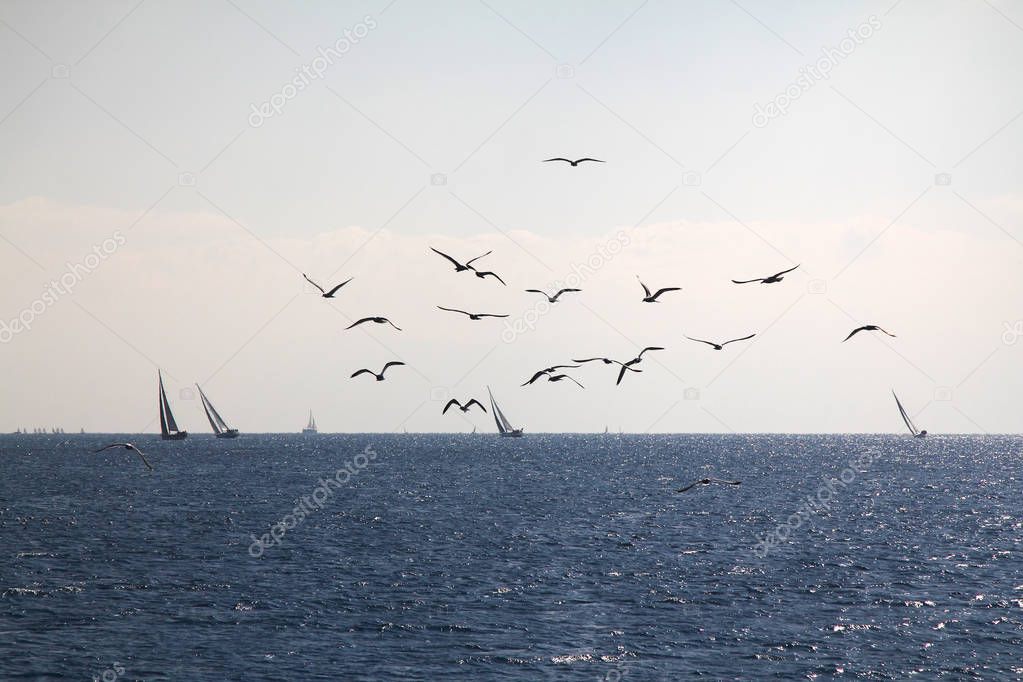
point(548, 372)
point(707, 481)
point(635, 361)
point(378, 320)
point(606, 361)
point(866, 328)
point(472, 316)
point(463, 408)
point(327, 294)
point(554, 298)
point(721, 346)
point(483, 274)
point(458, 266)
point(777, 277)
point(652, 298)
point(571, 162)
point(126, 446)
point(380, 377)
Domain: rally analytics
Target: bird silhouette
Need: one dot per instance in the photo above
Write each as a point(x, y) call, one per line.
point(127, 446)
point(720, 346)
point(483, 274)
point(770, 279)
point(463, 408)
point(380, 377)
point(548, 372)
point(561, 377)
point(554, 298)
point(626, 366)
point(459, 267)
point(327, 294)
point(377, 320)
point(867, 328)
point(471, 316)
point(571, 162)
point(652, 298)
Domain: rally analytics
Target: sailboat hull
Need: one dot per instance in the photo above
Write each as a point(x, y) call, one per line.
point(517, 433)
point(177, 435)
point(230, 433)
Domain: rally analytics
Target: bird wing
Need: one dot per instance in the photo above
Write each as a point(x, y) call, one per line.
point(747, 281)
point(362, 371)
point(665, 290)
point(489, 315)
point(472, 402)
point(314, 283)
point(709, 343)
point(450, 403)
point(563, 291)
point(483, 274)
point(853, 333)
point(573, 380)
point(648, 348)
point(646, 289)
point(783, 272)
point(588, 159)
point(740, 339)
point(392, 363)
point(721, 480)
point(452, 260)
point(392, 324)
point(621, 373)
point(587, 360)
point(888, 333)
point(112, 445)
point(144, 460)
point(453, 310)
point(358, 322)
point(470, 261)
point(332, 291)
point(688, 487)
point(558, 158)
point(536, 291)
point(551, 369)
point(536, 376)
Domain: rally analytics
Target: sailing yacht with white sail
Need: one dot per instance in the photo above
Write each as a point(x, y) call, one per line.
point(311, 426)
point(504, 426)
point(220, 427)
point(916, 433)
point(168, 427)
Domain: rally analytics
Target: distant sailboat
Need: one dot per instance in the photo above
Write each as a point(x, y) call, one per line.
point(909, 422)
point(311, 426)
point(504, 426)
point(168, 427)
point(220, 427)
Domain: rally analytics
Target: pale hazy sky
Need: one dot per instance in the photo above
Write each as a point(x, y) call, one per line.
point(126, 130)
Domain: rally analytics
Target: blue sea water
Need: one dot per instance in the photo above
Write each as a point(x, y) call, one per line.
point(552, 557)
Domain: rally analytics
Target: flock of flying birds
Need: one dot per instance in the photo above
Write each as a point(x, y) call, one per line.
point(553, 373)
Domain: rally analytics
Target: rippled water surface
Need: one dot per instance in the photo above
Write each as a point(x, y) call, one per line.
point(544, 558)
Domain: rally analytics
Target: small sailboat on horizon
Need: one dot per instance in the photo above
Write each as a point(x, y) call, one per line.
point(168, 427)
point(311, 426)
point(916, 433)
point(220, 427)
point(504, 427)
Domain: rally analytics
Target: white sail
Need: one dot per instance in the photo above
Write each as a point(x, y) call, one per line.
point(216, 421)
point(167, 423)
point(905, 417)
point(504, 427)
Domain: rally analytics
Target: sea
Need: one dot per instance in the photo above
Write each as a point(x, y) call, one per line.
point(473, 557)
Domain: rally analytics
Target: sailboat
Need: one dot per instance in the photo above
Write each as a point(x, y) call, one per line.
point(168, 427)
point(909, 422)
point(311, 426)
point(504, 426)
point(220, 427)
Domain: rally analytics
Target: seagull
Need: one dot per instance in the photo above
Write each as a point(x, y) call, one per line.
point(707, 481)
point(777, 277)
point(721, 346)
point(327, 294)
point(866, 328)
point(571, 162)
point(458, 266)
point(126, 446)
point(463, 408)
point(378, 320)
point(549, 371)
point(635, 361)
point(551, 299)
point(559, 377)
point(652, 298)
point(472, 316)
point(380, 377)
point(482, 274)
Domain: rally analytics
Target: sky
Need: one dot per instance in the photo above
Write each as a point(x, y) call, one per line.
point(171, 169)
